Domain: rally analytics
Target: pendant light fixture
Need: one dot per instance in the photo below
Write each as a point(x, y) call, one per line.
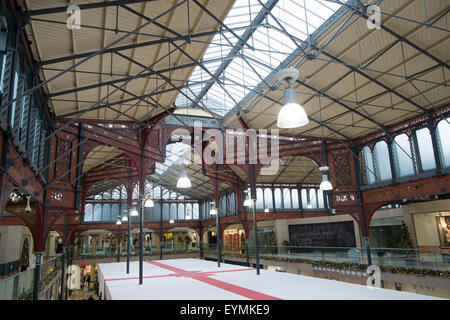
point(325, 185)
point(309, 205)
point(124, 219)
point(149, 203)
point(118, 222)
point(134, 212)
point(291, 115)
point(184, 182)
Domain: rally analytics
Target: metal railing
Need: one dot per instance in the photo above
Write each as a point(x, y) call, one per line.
point(434, 259)
point(21, 285)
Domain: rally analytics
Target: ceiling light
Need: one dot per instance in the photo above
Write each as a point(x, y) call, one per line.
point(309, 205)
point(247, 203)
point(118, 222)
point(134, 212)
point(149, 203)
point(266, 210)
point(171, 221)
point(213, 211)
point(325, 185)
point(184, 182)
point(291, 115)
point(124, 218)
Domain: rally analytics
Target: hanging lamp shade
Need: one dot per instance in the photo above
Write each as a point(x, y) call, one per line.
point(124, 219)
point(325, 185)
point(184, 182)
point(134, 212)
point(247, 203)
point(308, 205)
point(213, 211)
point(266, 210)
point(291, 115)
point(149, 203)
point(118, 222)
point(171, 221)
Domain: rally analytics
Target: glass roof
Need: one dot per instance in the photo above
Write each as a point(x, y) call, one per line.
point(230, 69)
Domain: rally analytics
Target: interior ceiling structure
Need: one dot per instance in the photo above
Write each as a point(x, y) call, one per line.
point(354, 79)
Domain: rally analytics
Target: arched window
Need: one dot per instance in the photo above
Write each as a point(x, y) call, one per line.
point(181, 211)
point(287, 198)
point(368, 161)
point(106, 216)
point(165, 194)
point(173, 195)
point(443, 135)
point(173, 211)
point(195, 209)
point(278, 199)
point(268, 198)
point(304, 198)
point(188, 211)
point(157, 193)
point(259, 198)
point(383, 163)
point(294, 193)
point(98, 212)
point(88, 212)
point(313, 198)
point(404, 156)
point(425, 149)
point(320, 199)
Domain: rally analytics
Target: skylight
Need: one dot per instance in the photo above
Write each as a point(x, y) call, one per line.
point(232, 69)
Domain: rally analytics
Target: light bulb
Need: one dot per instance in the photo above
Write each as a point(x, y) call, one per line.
point(184, 182)
point(291, 115)
point(134, 212)
point(149, 203)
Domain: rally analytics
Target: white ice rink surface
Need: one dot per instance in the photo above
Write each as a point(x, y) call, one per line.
point(194, 279)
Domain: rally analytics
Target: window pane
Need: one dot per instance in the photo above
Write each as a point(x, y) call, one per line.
point(278, 198)
point(188, 211)
point(304, 200)
point(320, 198)
point(295, 198)
point(268, 198)
point(259, 198)
point(106, 216)
point(165, 211)
point(97, 212)
point(425, 149)
point(404, 156)
point(181, 211)
point(443, 132)
point(287, 198)
point(114, 212)
point(370, 170)
point(173, 211)
point(196, 211)
point(313, 198)
point(383, 163)
point(88, 212)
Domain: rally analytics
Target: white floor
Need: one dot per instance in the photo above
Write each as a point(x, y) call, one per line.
point(188, 279)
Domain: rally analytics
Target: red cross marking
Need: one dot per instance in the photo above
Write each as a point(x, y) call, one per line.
point(204, 277)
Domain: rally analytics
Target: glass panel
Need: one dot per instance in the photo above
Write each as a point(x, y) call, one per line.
point(320, 198)
point(181, 211)
point(278, 199)
point(259, 198)
point(287, 198)
point(383, 163)
point(304, 199)
point(106, 216)
point(114, 212)
point(425, 146)
point(443, 133)
point(173, 211)
point(370, 170)
point(165, 211)
point(313, 198)
point(188, 211)
point(88, 212)
point(268, 198)
point(405, 166)
point(195, 209)
point(97, 212)
point(294, 193)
